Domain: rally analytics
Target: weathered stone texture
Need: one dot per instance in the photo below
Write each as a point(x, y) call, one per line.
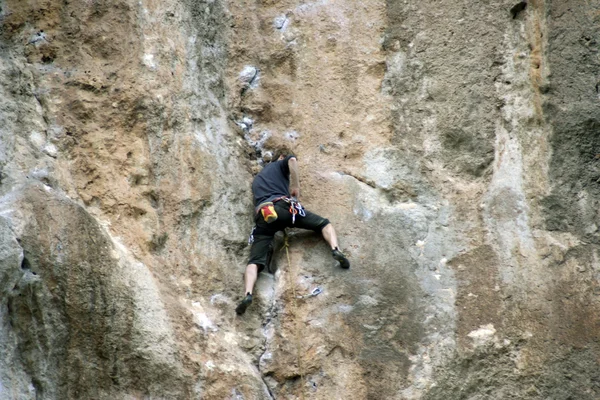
point(79, 310)
point(453, 145)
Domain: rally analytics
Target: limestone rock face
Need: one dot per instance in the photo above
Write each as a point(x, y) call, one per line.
point(453, 145)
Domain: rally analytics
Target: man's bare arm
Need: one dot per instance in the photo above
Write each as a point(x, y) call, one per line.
point(294, 179)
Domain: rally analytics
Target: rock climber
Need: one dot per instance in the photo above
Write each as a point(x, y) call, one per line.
point(276, 191)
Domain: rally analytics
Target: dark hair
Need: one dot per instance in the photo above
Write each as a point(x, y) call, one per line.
point(279, 154)
point(281, 150)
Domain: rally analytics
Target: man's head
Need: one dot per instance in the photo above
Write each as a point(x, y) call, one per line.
point(281, 152)
point(276, 146)
point(280, 156)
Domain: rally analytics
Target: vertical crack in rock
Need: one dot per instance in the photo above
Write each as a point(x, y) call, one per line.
point(268, 331)
point(271, 395)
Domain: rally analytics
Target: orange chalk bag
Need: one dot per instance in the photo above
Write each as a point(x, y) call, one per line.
point(268, 212)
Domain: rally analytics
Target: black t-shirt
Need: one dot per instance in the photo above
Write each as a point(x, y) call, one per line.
point(272, 182)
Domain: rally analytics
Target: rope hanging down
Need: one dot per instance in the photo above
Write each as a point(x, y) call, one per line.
point(295, 314)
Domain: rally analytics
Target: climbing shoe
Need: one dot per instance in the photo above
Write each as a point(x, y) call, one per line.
point(241, 308)
point(339, 256)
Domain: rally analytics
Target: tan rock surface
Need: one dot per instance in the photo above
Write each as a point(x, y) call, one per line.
point(453, 147)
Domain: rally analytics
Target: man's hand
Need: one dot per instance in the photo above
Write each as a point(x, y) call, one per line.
point(295, 192)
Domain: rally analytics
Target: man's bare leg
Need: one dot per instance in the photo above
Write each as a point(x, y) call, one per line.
point(331, 238)
point(249, 280)
point(250, 277)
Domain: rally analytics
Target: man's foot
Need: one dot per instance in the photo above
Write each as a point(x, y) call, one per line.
point(241, 308)
point(339, 256)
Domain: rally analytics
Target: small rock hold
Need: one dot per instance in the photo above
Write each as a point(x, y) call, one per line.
point(38, 37)
point(243, 126)
point(292, 135)
point(267, 156)
point(50, 150)
point(248, 121)
point(248, 74)
point(280, 22)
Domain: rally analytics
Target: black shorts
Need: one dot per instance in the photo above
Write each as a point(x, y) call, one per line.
point(262, 248)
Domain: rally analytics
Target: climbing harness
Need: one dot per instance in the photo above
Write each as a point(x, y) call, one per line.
point(295, 209)
point(286, 245)
point(269, 214)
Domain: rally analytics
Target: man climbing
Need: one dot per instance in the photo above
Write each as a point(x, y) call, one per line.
point(276, 190)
